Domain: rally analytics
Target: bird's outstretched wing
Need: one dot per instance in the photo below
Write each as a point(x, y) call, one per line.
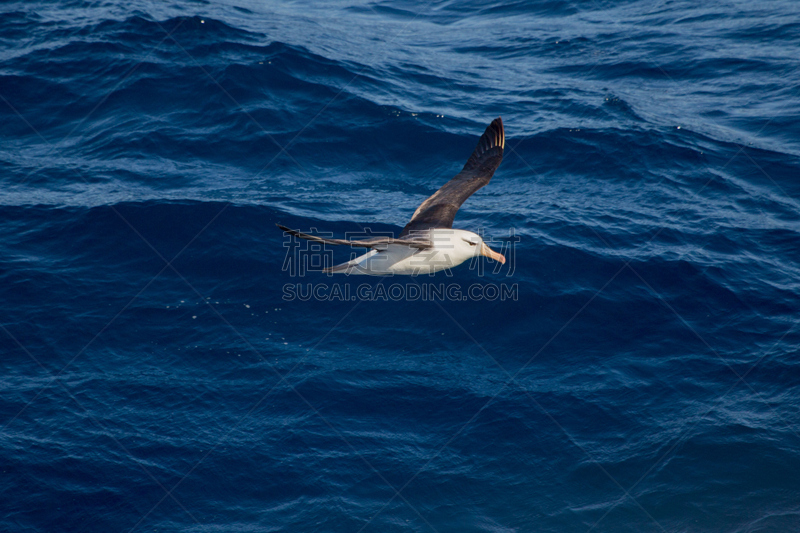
point(377, 243)
point(440, 209)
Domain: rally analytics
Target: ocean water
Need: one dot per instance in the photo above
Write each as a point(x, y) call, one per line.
point(172, 362)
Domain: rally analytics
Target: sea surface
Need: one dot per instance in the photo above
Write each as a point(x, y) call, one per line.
point(170, 361)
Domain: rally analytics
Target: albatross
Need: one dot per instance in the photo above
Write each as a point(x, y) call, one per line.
point(428, 243)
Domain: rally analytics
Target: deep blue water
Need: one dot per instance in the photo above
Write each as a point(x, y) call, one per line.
point(155, 376)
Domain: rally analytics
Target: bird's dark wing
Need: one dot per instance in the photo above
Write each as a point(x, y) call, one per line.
point(439, 210)
point(377, 242)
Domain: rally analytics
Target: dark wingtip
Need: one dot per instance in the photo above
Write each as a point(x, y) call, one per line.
point(289, 231)
point(490, 145)
point(496, 127)
point(494, 136)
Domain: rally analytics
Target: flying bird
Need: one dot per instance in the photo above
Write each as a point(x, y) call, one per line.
point(429, 243)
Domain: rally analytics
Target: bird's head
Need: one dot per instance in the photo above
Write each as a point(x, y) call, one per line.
point(463, 245)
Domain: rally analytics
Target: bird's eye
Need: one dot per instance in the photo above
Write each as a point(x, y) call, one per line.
point(470, 242)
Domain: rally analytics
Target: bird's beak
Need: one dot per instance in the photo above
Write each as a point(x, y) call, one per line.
point(491, 254)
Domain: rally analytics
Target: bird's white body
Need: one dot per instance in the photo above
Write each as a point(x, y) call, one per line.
point(451, 247)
